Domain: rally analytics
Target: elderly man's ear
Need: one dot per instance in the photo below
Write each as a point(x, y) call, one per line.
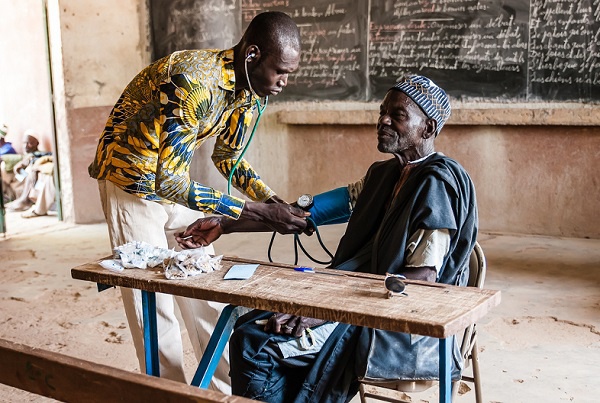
point(430, 128)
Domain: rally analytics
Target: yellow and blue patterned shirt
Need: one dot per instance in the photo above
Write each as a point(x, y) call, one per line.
point(167, 111)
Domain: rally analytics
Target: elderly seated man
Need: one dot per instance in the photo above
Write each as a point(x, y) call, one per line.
point(17, 180)
point(27, 178)
point(415, 215)
point(43, 194)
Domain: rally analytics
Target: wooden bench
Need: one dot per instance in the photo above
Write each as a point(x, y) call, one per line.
point(69, 379)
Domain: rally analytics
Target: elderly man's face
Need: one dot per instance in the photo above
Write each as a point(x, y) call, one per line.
point(31, 144)
point(401, 124)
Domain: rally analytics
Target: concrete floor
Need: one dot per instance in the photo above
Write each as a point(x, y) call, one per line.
point(542, 344)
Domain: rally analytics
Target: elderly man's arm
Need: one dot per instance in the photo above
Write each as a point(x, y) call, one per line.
point(425, 254)
point(425, 273)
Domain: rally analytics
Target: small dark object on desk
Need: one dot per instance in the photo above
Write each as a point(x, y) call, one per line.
point(394, 284)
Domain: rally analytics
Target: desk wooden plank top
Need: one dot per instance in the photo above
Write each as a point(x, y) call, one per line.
point(430, 309)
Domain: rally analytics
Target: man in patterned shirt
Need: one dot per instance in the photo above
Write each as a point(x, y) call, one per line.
point(143, 160)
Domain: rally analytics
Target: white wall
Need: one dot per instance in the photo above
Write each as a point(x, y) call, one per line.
point(25, 102)
point(98, 46)
point(104, 45)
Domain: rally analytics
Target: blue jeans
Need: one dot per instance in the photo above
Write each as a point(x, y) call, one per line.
point(261, 373)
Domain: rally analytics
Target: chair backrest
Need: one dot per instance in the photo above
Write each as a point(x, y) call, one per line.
point(477, 272)
point(477, 267)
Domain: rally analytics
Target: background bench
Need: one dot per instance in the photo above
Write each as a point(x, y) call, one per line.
point(69, 379)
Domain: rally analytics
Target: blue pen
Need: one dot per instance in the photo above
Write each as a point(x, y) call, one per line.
point(304, 269)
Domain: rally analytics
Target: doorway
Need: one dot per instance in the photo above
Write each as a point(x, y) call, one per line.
point(26, 105)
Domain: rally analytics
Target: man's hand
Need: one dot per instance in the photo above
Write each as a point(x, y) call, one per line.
point(18, 166)
point(201, 232)
point(284, 323)
point(309, 230)
point(280, 217)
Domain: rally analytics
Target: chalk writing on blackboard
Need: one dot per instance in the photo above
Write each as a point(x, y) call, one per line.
point(564, 60)
point(466, 42)
point(333, 57)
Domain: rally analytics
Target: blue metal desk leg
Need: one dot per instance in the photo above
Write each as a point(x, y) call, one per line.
point(150, 333)
point(445, 370)
point(216, 345)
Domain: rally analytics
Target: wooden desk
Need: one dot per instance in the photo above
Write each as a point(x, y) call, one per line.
point(436, 310)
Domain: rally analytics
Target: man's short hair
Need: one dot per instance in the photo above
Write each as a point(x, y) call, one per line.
point(272, 31)
point(432, 100)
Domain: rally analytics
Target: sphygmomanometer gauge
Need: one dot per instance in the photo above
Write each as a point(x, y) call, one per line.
point(305, 202)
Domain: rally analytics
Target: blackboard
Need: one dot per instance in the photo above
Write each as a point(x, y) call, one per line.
point(470, 48)
point(502, 51)
point(193, 24)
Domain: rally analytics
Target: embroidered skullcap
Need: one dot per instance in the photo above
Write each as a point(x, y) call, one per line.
point(431, 98)
point(3, 130)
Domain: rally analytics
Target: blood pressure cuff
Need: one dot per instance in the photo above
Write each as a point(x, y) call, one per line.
point(332, 207)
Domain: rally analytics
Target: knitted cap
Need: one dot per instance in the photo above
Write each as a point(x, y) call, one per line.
point(425, 93)
point(3, 130)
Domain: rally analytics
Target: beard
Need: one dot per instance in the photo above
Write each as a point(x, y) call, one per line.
point(392, 143)
point(385, 147)
point(387, 141)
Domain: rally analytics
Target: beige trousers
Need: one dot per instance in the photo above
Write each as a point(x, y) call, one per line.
point(131, 218)
point(46, 194)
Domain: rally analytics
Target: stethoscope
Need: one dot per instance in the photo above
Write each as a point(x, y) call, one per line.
point(261, 109)
point(298, 243)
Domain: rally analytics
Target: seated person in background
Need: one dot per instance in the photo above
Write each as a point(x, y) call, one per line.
point(39, 176)
point(14, 174)
point(43, 193)
point(415, 215)
point(5, 146)
point(31, 154)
